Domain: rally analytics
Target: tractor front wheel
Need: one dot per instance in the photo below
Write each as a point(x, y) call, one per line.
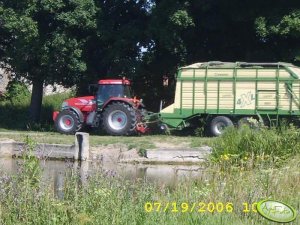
point(67, 122)
point(119, 119)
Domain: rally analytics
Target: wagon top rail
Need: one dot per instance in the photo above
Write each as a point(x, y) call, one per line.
point(292, 69)
point(220, 64)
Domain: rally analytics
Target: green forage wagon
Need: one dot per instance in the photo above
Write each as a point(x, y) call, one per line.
point(227, 93)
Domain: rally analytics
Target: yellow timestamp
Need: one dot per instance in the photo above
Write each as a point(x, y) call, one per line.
point(200, 207)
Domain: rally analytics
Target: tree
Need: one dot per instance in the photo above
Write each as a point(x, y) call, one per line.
point(80, 41)
point(279, 28)
point(185, 32)
point(165, 50)
point(45, 41)
point(114, 49)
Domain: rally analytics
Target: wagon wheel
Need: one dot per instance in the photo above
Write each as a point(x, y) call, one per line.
point(219, 124)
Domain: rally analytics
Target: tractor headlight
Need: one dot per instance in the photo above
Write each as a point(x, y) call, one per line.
point(64, 105)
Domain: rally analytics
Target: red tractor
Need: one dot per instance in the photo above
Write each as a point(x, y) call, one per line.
point(113, 108)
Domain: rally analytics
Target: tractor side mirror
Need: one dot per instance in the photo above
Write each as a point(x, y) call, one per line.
point(93, 88)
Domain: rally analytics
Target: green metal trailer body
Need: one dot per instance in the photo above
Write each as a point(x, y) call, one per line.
point(234, 90)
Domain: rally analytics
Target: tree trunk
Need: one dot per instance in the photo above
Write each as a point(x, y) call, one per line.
point(36, 101)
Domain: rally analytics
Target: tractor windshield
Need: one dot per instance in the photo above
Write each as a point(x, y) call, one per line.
point(107, 91)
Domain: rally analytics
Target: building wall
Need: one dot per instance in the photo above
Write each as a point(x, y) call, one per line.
point(48, 90)
point(4, 78)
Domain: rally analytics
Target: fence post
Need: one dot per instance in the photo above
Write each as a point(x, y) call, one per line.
point(82, 146)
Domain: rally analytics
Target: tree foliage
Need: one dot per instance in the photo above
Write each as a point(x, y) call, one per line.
point(80, 41)
point(114, 48)
point(47, 37)
point(185, 32)
point(45, 41)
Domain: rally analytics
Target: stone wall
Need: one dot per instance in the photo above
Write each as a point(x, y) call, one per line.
point(79, 151)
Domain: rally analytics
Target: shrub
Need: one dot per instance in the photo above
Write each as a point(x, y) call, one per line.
point(247, 147)
point(17, 93)
point(14, 109)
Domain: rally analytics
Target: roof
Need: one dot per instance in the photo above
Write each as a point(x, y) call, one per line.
point(114, 81)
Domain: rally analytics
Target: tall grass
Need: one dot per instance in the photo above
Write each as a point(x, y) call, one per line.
point(252, 147)
point(105, 199)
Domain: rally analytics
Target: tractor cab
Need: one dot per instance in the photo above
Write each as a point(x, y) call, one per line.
point(112, 89)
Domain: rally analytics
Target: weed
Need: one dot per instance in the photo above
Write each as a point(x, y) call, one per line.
point(131, 146)
point(142, 152)
point(200, 130)
point(30, 170)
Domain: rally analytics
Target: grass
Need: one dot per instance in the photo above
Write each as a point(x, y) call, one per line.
point(143, 141)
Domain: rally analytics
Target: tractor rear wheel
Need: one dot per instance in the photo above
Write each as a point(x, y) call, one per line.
point(67, 122)
point(218, 124)
point(119, 119)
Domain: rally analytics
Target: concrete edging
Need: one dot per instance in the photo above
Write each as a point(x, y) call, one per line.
point(175, 156)
point(78, 151)
point(81, 151)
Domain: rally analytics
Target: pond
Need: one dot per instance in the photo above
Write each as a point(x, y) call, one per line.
point(54, 171)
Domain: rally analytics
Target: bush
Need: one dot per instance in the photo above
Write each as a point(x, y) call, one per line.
point(14, 109)
point(17, 93)
point(247, 147)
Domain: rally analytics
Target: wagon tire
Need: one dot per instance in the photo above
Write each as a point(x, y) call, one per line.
point(218, 124)
point(67, 122)
point(119, 119)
